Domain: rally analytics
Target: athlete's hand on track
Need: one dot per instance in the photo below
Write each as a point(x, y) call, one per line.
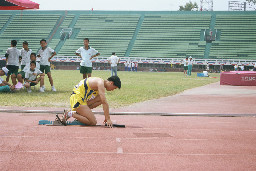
point(108, 122)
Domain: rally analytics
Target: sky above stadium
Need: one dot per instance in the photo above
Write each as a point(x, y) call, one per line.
point(124, 5)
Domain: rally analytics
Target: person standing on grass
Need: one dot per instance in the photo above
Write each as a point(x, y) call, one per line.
point(132, 66)
point(46, 54)
point(12, 58)
point(88, 94)
point(129, 65)
point(236, 67)
point(86, 53)
point(135, 66)
point(242, 67)
point(25, 55)
point(113, 60)
point(185, 61)
point(126, 66)
point(190, 64)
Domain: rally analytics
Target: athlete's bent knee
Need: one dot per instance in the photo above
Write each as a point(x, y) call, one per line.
point(93, 122)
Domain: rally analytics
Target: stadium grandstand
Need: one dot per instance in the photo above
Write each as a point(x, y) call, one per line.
point(136, 34)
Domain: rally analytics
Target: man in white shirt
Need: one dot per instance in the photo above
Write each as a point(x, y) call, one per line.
point(46, 54)
point(236, 67)
point(86, 53)
point(113, 60)
point(129, 65)
point(242, 67)
point(31, 77)
point(25, 55)
point(12, 58)
point(126, 65)
point(185, 61)
point(132, 64)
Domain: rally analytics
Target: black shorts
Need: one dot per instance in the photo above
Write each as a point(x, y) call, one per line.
point(12, 69)
point(45, 69)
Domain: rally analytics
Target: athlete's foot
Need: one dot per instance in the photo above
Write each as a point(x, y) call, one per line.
point(65, 116)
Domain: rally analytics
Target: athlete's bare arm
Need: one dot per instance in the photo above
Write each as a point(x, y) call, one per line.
point(98, 84)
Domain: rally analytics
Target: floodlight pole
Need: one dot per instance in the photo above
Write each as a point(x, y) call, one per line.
point(206, 5)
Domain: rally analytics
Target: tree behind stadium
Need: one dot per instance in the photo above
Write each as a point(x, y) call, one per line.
point(189, 6)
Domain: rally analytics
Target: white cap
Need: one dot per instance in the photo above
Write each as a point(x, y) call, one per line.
point(190, 57)
point(5, 70)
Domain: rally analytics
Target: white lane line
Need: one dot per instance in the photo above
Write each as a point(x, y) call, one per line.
point(45, 136)
point(8, 136)
point(118, 140)
point(86, 137)
point(201, 129)
point(170, 154)
point(119, 148)
point(253, 130)
point(221, 122)
point(150, 138)
point(188, 139)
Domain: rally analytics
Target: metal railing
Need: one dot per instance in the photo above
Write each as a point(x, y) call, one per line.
point(158, 60)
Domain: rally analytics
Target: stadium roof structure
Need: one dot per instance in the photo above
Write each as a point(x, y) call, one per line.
point(18, 5)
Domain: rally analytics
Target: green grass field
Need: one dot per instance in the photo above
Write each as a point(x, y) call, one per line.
point(136, 87)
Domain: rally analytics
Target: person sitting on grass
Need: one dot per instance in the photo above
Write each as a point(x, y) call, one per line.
point(31, 77)
point(21, 74)
point(4, 85)
point(88, 94)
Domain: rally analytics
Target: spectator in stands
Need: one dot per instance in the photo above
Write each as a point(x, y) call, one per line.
point(4, 85)
point(185, 61)
point(12, 58)
point(86, 53)
point(190, 64)
point(46, 54)
point(113, 60)
point(25, 55)
point(31, 77)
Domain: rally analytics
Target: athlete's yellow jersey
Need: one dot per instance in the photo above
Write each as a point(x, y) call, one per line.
point(82, 92)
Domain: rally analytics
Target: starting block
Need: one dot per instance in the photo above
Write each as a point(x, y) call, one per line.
point(58, 122)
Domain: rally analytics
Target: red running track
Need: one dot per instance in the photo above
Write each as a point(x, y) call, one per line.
point(148, 143)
